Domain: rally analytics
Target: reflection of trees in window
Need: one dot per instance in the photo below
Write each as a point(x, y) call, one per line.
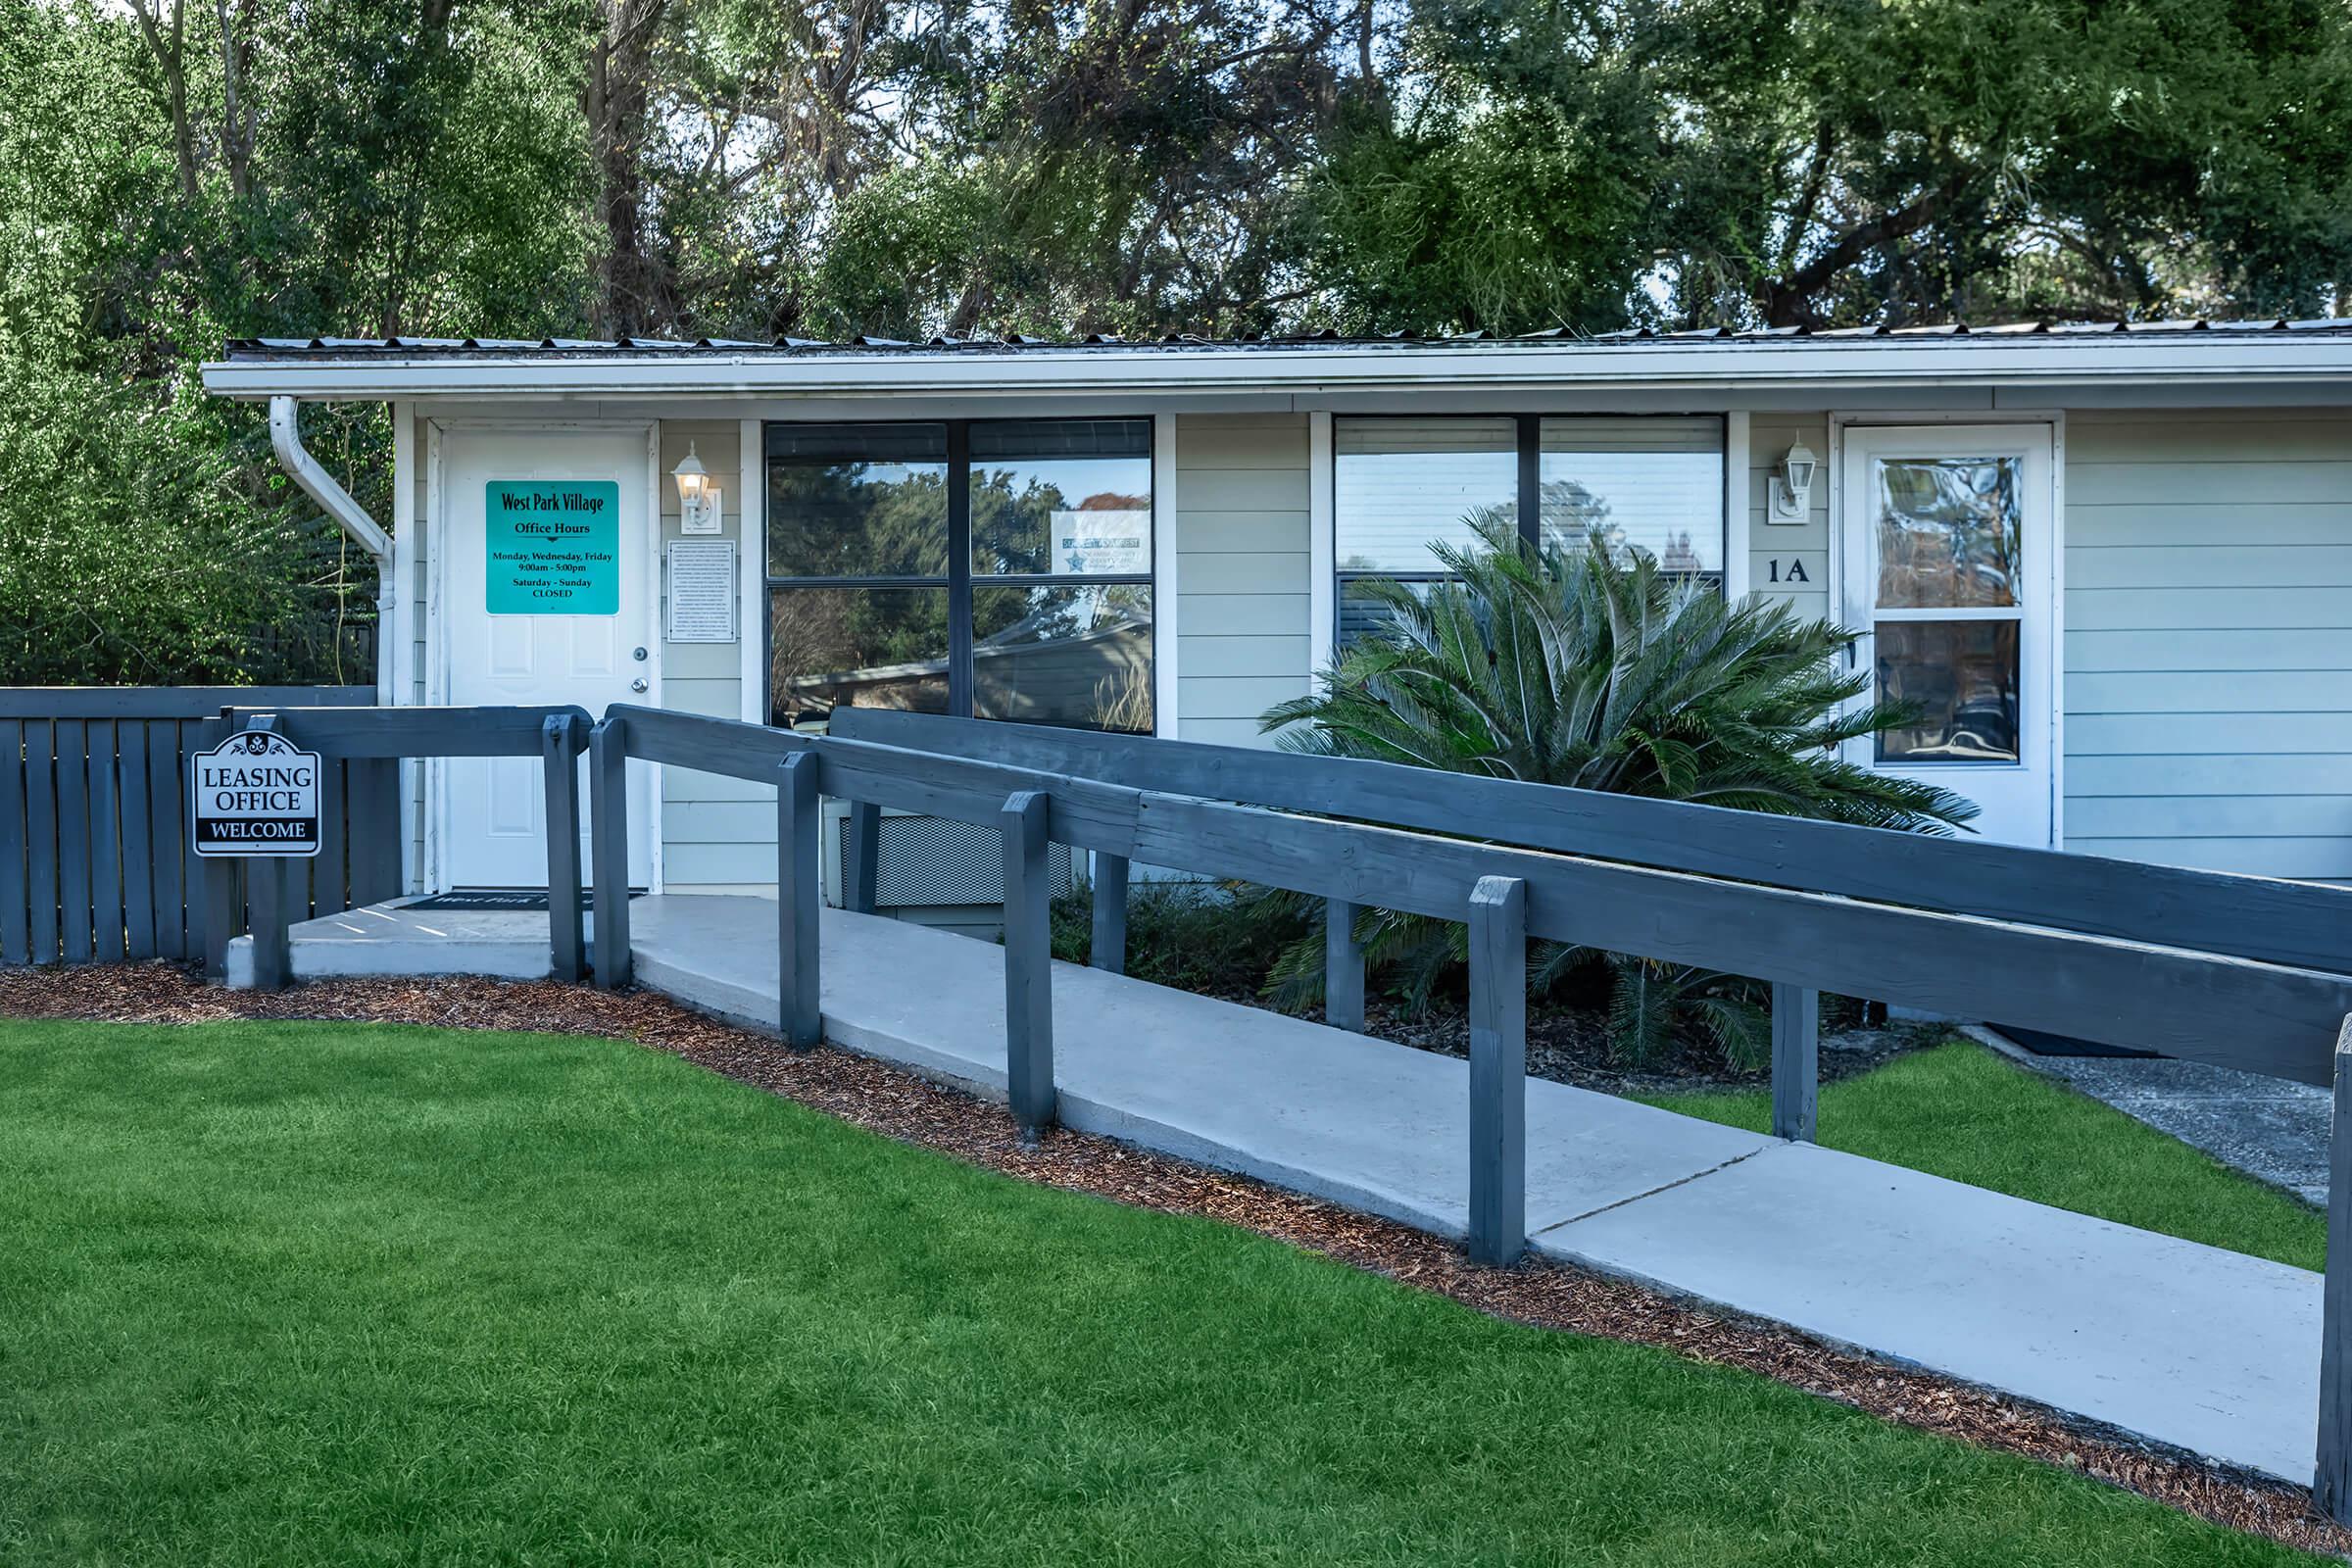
point(857, 520)
point(1949, 531)
point(868, 606)
point(877, 646)
point(1013, 520)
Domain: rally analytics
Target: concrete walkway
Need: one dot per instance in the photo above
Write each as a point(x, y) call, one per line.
point(2199, 1349)
point(2194, 1348)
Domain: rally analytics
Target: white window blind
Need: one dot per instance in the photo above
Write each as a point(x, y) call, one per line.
point(1399, 484)
point(1651, 483)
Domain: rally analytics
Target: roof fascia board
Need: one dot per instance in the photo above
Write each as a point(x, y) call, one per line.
point(2016, 362)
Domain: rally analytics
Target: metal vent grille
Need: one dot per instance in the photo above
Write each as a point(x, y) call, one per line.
point(930, 860)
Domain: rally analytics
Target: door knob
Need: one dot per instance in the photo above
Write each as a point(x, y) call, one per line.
point(638, 684)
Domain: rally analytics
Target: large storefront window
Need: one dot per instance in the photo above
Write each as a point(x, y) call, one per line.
point(1001, 569)
point(1399, 485)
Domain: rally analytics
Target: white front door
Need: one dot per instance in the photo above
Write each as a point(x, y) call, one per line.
point(1947, 564)
point(542, 555)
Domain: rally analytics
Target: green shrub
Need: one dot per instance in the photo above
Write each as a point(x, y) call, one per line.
point(1588, 666)
point(1212, 938)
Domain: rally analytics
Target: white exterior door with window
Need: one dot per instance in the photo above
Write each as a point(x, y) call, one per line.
point(1946, 561)
point(514, 629)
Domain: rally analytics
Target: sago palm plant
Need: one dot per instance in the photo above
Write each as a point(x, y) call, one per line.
point(1579, 667)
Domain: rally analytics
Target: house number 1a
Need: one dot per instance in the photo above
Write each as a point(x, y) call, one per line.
point(1789, 571)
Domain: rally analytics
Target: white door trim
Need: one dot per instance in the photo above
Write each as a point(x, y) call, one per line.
point(751, 563)
point(2051, 590)
point(1322, 550)
point(1736, 520)
point(1167, 717)
point(436, 646)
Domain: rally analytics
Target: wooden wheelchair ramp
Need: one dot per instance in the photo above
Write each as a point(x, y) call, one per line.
point(2186, 1346)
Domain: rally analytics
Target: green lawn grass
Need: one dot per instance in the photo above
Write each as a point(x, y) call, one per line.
point(1963, 1111)
point(345, 1294)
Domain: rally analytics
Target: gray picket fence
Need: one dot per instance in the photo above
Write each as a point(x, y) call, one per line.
point(95, 860)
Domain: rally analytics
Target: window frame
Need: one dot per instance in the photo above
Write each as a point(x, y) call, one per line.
point(1528, 429)
point(960, 579)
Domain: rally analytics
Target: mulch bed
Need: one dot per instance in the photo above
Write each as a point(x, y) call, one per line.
point(900, 1105)
point(1571, 1045)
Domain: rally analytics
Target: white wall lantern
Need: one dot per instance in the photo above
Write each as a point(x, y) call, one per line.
point(698, 495)
point(1792, 487)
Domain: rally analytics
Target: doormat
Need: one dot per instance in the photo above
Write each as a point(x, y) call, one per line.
point(2043, 1044)
point(520, 900)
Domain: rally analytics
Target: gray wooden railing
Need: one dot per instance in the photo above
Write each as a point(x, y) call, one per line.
point(380, 738)
point(95, 862)
point(1987, 929)
point(2292, 923)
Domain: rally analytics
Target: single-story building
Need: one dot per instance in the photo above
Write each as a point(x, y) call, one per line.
point(2113, 565)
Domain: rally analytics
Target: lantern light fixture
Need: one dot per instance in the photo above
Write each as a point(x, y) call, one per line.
point(1792, 487)
point(698, 495)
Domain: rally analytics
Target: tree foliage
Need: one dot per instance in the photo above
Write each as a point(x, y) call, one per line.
point(172, 173)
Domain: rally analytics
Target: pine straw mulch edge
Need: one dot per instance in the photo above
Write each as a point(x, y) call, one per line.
point(900, 1105)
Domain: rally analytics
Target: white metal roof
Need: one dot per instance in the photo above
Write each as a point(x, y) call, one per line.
point(2270, 352)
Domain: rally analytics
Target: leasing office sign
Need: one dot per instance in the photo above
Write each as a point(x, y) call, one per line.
point(254, 794)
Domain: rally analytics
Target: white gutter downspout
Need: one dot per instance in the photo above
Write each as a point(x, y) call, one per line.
point(285, 435)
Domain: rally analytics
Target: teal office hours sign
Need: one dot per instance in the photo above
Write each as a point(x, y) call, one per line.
point(554, 547)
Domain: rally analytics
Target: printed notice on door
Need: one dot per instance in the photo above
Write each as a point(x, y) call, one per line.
point(554, 547)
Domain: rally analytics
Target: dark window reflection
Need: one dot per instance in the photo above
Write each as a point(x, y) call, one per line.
point(1962, 678)
point(1073, 655)
point(867, 647)
point(858, 501)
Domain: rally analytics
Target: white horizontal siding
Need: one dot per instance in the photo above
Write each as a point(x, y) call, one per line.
point(1804, 544)
point(1241, 563)
point(2318, 859)
point(2227, 648)
point(716, 833)
point(2208, 649)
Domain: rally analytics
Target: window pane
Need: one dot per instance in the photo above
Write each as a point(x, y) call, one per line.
point(1360, 612)
point(1962, 676)
point(1949, 530)
point(1073, 655)
point(1399, 484)
point(858, 501)
point(1655, 486)
point(1061, 497)
point(862, 647)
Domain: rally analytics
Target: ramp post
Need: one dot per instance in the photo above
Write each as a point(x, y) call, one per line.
point(266, 888)
point(798, 897)
point(861, 859)
point(1498, 1070)
point(2332, 1487)
point(608, 844)
point(216, 896)
point(1028, 962)
point(1795, 1060)
point(565, 929)
point(1107, 949)
point(1343, 967)
point(268, 896)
